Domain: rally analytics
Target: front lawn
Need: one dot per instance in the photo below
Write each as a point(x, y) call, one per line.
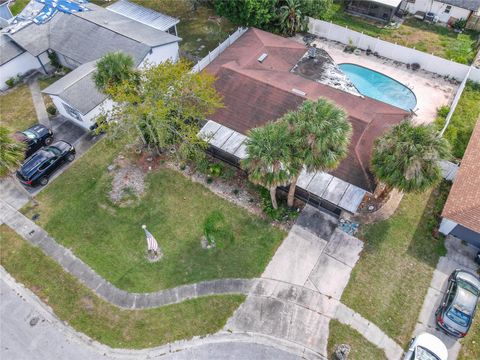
point(413, 33)
point(77, 211)
point(471, 343)
point(463, 120)
point(73, 303)
point(391, 279)
point(16, 109)
point(201, 30)
point(360, 348)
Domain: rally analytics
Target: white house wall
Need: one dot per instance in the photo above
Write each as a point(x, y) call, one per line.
point(90, 117)
point(19, 65)
point(438, 8)
point(61, 109)
point(162, 53)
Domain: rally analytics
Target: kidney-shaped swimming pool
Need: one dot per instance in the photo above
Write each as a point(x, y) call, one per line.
point(381, 87)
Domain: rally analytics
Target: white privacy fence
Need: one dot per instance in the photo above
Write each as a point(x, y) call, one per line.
point(396, 52)
point(212, 55)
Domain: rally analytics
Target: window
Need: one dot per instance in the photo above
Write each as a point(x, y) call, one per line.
point(447, 9)
point(72, 112)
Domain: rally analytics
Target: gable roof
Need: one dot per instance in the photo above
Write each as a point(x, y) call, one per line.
point(144, 15)
point(255, 93)
point(78, 89)
point(463, 202)
point(8, 49)
point(87, 36)
point(472, 5)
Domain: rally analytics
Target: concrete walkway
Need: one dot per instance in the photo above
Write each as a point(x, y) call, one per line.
point(50, 338)
point(36, 236)
point(300, 290)
point(459, 256)
point(38, 103)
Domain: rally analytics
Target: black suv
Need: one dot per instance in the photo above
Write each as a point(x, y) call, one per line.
point(37, 169)
point(35, 137)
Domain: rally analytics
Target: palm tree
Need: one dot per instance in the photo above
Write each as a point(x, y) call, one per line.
point(267, 157)
point(113, 69)
point(321, 133)
point(12, 152)
point(407, 157)
point(292, 18)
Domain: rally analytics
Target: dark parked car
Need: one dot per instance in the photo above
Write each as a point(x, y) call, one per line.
point(37, 169)
point(35, 137)
point(457, 310)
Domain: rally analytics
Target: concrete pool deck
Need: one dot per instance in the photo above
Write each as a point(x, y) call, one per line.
point(431, 90)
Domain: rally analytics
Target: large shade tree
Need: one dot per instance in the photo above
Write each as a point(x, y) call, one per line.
point(12, 152)
point(321, 135)
point(407, 157)
point(267, 161)
point(164, 105)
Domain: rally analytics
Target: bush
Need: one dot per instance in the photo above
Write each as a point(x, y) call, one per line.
point(52, 55)
point(215, 170)
point(460, 24)
point(283, 213)
point(216, 230)
point(10, 82)
point(51, 110)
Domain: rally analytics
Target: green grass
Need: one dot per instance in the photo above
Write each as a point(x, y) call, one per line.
point(413, 33)
point(196, 28)
point(85, 312)
point(361, 348)
point(463, 120)
point(18, 6)
point(390, 281)
point(16, 109)
point(471, 343)
point(76, 210)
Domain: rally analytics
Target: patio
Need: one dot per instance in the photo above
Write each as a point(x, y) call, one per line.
point(431, 90)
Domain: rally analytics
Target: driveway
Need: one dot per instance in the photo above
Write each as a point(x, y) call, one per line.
point(299, 291)
point(459, 255)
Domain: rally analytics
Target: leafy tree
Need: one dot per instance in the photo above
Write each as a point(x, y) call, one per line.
point(267, 161)
point(12, 152)
point(256, 13)
point(164, 107)
point(320, 133)
point(407, 156)
point(113, 69)
point(318, 9)
point(292, 18)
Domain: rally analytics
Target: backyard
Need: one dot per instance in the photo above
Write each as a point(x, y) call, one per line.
point(17, 111)
point(83, 310)
point(201, 30)
point(390, 281)
point(413, 33)
point(463, 120)
point(77, 211)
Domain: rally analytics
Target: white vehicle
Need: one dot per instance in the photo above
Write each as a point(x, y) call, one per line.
point(426, 347)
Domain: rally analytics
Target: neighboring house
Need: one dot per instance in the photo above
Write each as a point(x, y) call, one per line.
point(79, 40)
point(255, 92)
point(5, 15)
point(380, 10)
point(145, 16)
point(444, 10)
point(461, 214)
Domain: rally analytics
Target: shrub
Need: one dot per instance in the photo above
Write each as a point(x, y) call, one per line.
point(10, 82)
point(53, 57)
point(283, 213)
point(460, 24)
point(51, 110)
point(215, 170)
point(216, 229)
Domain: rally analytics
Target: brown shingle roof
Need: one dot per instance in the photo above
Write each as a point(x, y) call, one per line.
point(463, 203)
point(255, 93)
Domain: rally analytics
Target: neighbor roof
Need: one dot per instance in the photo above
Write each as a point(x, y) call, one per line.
point(472, 5)
point(8, 49)
point(71, 35)
point(463, 203)
point(255, 93)
point(77, 88)
point(144, 15)
point(391, 3)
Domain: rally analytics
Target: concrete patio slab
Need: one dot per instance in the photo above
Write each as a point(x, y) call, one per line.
point(330, 276)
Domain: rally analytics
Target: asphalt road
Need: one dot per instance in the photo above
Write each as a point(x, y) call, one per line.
point(29, 331)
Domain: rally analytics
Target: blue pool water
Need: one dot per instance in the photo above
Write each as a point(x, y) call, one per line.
point(380, 87)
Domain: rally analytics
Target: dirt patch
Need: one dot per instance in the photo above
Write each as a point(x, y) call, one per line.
point(128, 184)
point(87, 303)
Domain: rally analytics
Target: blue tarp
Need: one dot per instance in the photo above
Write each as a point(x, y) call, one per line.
point(53, 6)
